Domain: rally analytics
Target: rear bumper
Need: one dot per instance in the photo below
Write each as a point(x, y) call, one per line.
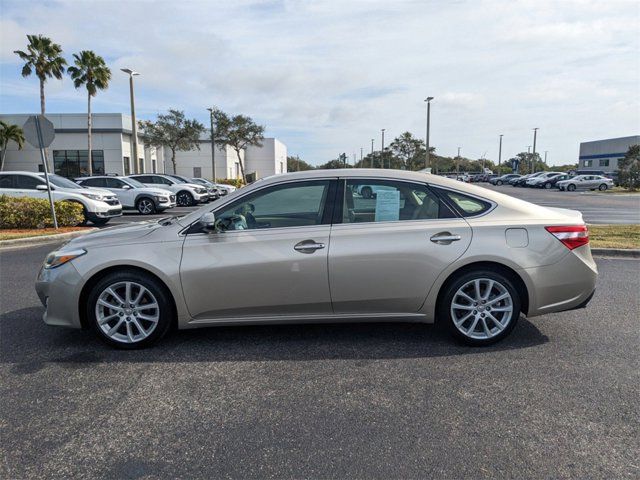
point(565, 285)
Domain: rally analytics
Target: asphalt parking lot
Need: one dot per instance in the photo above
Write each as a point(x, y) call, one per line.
point(557, 399)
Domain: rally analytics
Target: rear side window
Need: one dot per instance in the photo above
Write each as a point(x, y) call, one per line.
point(467, 206)
point(6, 181)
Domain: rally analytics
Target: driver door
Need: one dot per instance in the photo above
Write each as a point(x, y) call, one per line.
point(267, 258)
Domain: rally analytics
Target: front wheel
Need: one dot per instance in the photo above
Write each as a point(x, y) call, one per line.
point(146, 206)
point(129, 309)
point(185, 199)
point(547, 186)
point(602, 187)
point(481, 307)
point(499, 182)
point(571, 188)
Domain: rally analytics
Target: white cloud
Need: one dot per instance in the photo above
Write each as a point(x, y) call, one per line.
point(325, 76)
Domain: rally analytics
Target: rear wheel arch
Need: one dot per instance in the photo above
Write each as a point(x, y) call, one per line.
point(96, 277)
point(508, 272)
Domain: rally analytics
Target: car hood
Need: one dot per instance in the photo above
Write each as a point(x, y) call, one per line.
point(154, 191)
point(118, 235)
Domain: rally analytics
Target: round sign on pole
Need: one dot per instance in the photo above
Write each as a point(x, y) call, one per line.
point(30, 130)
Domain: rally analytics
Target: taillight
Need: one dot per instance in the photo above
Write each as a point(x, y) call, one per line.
point(573, 236)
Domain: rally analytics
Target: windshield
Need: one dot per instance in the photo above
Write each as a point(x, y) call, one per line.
point(62, 182)
point(133, 182)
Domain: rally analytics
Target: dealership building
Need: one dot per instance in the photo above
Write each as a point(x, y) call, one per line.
point(111, 138)
point(604, 154)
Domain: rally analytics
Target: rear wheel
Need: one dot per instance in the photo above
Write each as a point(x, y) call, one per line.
point(184, 199)
point(129, 309)
point(146, 206)
point(602, 187)
point(481, 307)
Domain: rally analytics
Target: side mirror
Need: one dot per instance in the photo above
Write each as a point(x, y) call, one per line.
point(43, 188)
point(127, 187)
point(208, 222)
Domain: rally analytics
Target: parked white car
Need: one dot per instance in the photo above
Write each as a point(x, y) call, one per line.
point(187, 194)
point(223, 188)
point(98, 205)
point(540, 179)
point(133, 194)
point(586, 182)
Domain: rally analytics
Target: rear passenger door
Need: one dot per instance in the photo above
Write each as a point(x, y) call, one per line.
point(387, 251)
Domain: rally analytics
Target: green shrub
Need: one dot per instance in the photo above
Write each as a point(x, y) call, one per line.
point(236, 182)
point(24, 212)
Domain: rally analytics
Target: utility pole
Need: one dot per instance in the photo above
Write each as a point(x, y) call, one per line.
point(458, 162)
point(372, 140)
point(428, 100)
point(213, 146)
point(382, 151)
point(500, 153)
point(533, 159)
point(361, 156)
point(134, 134)
point(545, 156)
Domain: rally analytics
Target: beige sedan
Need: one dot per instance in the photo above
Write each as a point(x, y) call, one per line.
point(309, 247)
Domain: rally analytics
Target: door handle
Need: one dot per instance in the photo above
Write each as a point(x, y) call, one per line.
point(308, 246)
point(445, 238)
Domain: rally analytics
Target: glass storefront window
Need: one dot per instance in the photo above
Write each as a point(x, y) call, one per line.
point(74, 163)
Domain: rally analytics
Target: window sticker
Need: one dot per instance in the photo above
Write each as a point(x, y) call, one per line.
point(387, 205)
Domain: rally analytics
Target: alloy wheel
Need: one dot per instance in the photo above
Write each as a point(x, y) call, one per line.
point(145, 206)
point(184, 199)
point(127, 312)
point(482, 308)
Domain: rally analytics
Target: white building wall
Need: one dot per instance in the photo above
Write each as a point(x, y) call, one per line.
point(187, 161)
point(270, 159)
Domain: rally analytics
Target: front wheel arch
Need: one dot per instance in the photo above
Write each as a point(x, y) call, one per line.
point(96, 277)
point(508, 272)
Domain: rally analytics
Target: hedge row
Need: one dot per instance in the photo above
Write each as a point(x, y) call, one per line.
point(24, 212)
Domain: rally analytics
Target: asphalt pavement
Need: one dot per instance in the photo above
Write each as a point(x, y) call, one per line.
point(556, 399)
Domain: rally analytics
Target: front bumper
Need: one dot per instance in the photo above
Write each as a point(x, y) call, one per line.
point(57, 289)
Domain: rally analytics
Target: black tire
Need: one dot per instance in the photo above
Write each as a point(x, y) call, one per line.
point(159, 291)
point(499, 182)
point(571, 187)
point(146, 206)
point(367, 192)
point(185, 199)
point(603, 187)
point(444, 305)
point(547, 186)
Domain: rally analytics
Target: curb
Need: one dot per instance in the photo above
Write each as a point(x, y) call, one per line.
point(29, 241)
point(616, 252)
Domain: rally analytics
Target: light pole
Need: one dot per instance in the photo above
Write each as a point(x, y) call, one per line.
point(361, 156)
point(428, 100)
point(213, 146)
point(382, 150)
point(134, 133)
point(458, 162)
point(529, 157)
point(500, 153)
point(545, 156)
point(533, 159)
point(372, 141)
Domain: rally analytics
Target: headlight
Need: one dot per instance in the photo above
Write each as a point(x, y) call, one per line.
point(200, 190)
point(92, 196)
point(55, 259)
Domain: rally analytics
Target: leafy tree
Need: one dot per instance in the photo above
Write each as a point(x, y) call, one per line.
point(91, 71)
point(45, 59)
point(629, 168)
point(335, 163)
point(174, 131)
point(238, 132)
point(294, 164)
point(408, 152)
point(9, 133)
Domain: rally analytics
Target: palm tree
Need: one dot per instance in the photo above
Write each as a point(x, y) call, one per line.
point(91, 71)
point(9, 133)
point(45, 58)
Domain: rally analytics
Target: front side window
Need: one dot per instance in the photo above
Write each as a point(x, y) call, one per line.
point(26, 182)
point(6, 181)
point(297, 204)
point(93, 182)
point(390, 201)
point(113, 183)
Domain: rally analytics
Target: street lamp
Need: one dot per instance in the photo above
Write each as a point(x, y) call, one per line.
point(500, 153)
point(372, 141)
point(428, 101)
point(382, 150)
point(213, 146)
point(134, 128)
point(533, 159)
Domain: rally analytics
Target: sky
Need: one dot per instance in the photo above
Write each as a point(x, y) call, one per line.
point(325, 77)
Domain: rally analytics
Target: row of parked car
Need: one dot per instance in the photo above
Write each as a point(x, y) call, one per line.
point(560, 180)
point(105, 196)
